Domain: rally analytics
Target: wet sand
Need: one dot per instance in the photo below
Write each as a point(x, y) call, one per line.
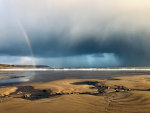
point(18, 77)
point(125, 94)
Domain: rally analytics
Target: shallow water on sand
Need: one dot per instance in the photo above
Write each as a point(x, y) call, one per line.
point(16, 77)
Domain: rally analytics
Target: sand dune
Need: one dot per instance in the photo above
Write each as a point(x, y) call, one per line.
point(121, 95)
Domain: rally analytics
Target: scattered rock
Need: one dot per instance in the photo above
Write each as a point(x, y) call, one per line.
point(110, 90)
point(19, 93)
point(30, 93)
point(27, 95)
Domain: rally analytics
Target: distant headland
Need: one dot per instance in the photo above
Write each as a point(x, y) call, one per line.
point(9, 66)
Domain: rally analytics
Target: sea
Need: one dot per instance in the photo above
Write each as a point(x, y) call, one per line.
point(18, 76)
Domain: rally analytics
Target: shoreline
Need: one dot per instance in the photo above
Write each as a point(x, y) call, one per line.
point(74, 69)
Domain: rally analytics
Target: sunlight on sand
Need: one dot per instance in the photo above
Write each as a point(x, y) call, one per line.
point(123, 94)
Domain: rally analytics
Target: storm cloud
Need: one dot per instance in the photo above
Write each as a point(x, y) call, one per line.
point(75, 29)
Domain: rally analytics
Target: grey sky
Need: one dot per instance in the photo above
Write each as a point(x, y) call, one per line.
point(76, 32)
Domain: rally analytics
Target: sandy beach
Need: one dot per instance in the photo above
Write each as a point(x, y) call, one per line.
point(74, 56)
point(129, 94)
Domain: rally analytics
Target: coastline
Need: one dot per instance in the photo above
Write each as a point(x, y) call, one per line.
point(75, 69)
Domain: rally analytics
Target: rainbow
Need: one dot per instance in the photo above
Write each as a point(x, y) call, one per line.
point(25, 34)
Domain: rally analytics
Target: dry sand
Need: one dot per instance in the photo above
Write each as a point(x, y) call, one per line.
point(129, 94)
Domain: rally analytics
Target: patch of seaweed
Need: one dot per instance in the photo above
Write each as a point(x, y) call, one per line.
point(30, 93)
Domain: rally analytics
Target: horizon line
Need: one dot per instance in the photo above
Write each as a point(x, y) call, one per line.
point(76, 69)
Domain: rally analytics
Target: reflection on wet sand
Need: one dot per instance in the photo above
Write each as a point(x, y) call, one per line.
point(16, 77)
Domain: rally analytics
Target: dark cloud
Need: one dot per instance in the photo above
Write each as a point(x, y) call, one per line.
point(133, 49)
